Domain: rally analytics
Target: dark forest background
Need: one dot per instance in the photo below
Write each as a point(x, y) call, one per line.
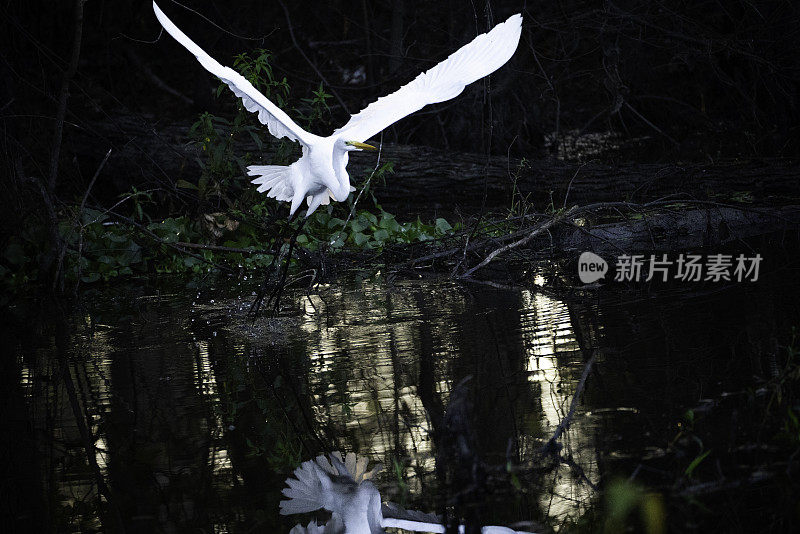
point(659, 81)
point(712, 76)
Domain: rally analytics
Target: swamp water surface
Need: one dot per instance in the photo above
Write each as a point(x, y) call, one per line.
point(198, 414)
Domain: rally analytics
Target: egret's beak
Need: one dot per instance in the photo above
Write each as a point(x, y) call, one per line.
point(361, 146)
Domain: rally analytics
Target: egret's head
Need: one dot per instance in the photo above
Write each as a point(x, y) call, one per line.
point(355, 145)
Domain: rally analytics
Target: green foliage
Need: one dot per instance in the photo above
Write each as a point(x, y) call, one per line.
point(366, 231)
point(318, 106)
point(141, 200)
point(623, 497)
point(258, 72)
point(99, 249)
point(694, 463)
point(215, 136)
point(400, 478)
point(222, 165)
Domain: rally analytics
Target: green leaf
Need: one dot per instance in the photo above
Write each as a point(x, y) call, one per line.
point(334, 222)
point(134, 253)
point(90, 216)
point(117, 238)
point(697, 461)
point(360, 239)
point(256, 139)
point(190, 261)
point(358, 225)
point(390, 223)
point(337, 241)
point(380, 235)
point(90, 277)
point(442, 226)
point(183, 184)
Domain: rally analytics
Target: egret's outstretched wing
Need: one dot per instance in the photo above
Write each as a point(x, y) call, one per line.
point(277, 121)
point(484, 55)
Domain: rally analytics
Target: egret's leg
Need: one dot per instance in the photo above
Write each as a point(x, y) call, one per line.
point(272, 268)
point(275, 297)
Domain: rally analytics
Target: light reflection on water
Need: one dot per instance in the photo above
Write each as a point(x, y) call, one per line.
point(549, 336)
point(375, 364)
point(362, 346)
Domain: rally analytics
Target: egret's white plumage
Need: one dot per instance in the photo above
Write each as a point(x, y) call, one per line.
point(341, 486)
point(481, 57)
point(344, 487)
point(321, 173)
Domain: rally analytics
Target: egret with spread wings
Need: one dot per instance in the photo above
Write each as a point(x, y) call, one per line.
point(321, 173)
point(344, 487)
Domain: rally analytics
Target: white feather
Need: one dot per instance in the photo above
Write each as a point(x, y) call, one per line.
point(275, 180)
point(276, 120)
point(482, 56)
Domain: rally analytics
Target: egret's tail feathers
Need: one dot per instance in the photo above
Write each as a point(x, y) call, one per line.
point(312, 483)
point(351, 466)
point(306, 492)
point(275, 179)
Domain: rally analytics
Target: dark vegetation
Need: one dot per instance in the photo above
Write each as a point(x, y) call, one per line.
point(122, 157)
point(101, 184)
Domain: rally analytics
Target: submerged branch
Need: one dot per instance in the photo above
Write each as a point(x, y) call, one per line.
point(552, 444)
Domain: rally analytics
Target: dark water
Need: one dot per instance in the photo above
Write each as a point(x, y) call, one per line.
point(197, 415)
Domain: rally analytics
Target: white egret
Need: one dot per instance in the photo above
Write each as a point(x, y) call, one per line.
point(343, 486)
point(321, 174)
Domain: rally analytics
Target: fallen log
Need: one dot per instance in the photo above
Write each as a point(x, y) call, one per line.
point(427, 179)
point(645, 228)
point(685, 229)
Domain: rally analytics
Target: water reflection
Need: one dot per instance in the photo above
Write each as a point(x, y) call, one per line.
point(554, 362)
point(379, 364)
point(196, 416)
